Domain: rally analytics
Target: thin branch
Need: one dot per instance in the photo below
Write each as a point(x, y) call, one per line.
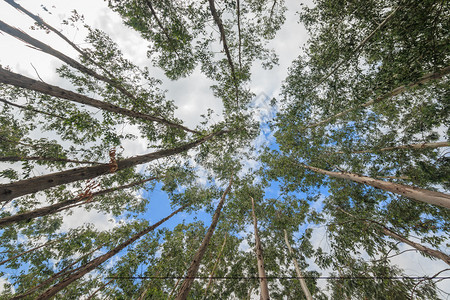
point(161, 26)
point(215, 265)
point(47, 49)
point(37, 73)
point(389, 232)
point(44, 158)
point(225, 46)
point(408, 146)
point(31, 109)
point(361, 44)
point(428, 278)
point(239, 32)
point(424, 79)
point(55, 276)
point(99, 289)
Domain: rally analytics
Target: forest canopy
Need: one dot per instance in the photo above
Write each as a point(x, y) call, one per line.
point(333, 185)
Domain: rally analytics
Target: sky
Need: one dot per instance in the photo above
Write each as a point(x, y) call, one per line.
point(192, 95)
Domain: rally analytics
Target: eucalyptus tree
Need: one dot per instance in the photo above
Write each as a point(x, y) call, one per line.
point(90, 170)
point(369, 89)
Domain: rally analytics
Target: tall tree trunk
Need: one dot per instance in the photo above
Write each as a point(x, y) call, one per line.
point(428, 77)
point(48, 210)
point(432, 252)
point(83, 270)
point(264, 290)
point(73, 63)
point(19, 188)
point(8, 77)
point(422, 195)
point(215, 266)
point(297, 269)
point(409, 146)
point(195, 264)
point(62, 273)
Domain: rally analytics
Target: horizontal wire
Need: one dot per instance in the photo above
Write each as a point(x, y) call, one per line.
point(282, 277)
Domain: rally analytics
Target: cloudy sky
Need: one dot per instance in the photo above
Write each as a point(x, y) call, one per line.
point(192, 95)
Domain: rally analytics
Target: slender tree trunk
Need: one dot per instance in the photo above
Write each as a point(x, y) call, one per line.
point(259, 255)
point(73, 63)
point(18, 80)
point(297, 269)
point(409, 146)
point(55, 276)
point(19, 188)
point(149, 285)
point(359, 47)
point(30, 250)
point(215, 266)
point(161, 26)
point(422, 195)
point(47, 210)
point(432, 252)
point(111, 79)
point(195, 264)
point(99, 289)
point(223, 38)
point(428, 77)
point(83, 270)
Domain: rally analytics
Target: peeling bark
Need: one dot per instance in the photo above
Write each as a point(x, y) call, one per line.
point(19, 188)
point(8, 77)
point(50, 209)
point(418, 194)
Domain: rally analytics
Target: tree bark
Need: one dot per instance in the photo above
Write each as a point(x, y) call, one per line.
point(73, 63)
point(83, 270)
point(215, 266)
point(428, 77)
point(432, 252)
point(409, 146)
point(19, 188)
point(264, 290)
point(195, 264)
point(18, 80)
point(55, 276)
point(297, 269)
point(418, 194)
point(48, 210)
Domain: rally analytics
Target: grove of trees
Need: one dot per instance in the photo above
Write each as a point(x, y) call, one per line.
point(359, 157)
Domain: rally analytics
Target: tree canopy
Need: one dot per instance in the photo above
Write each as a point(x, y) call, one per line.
point(322, 200)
